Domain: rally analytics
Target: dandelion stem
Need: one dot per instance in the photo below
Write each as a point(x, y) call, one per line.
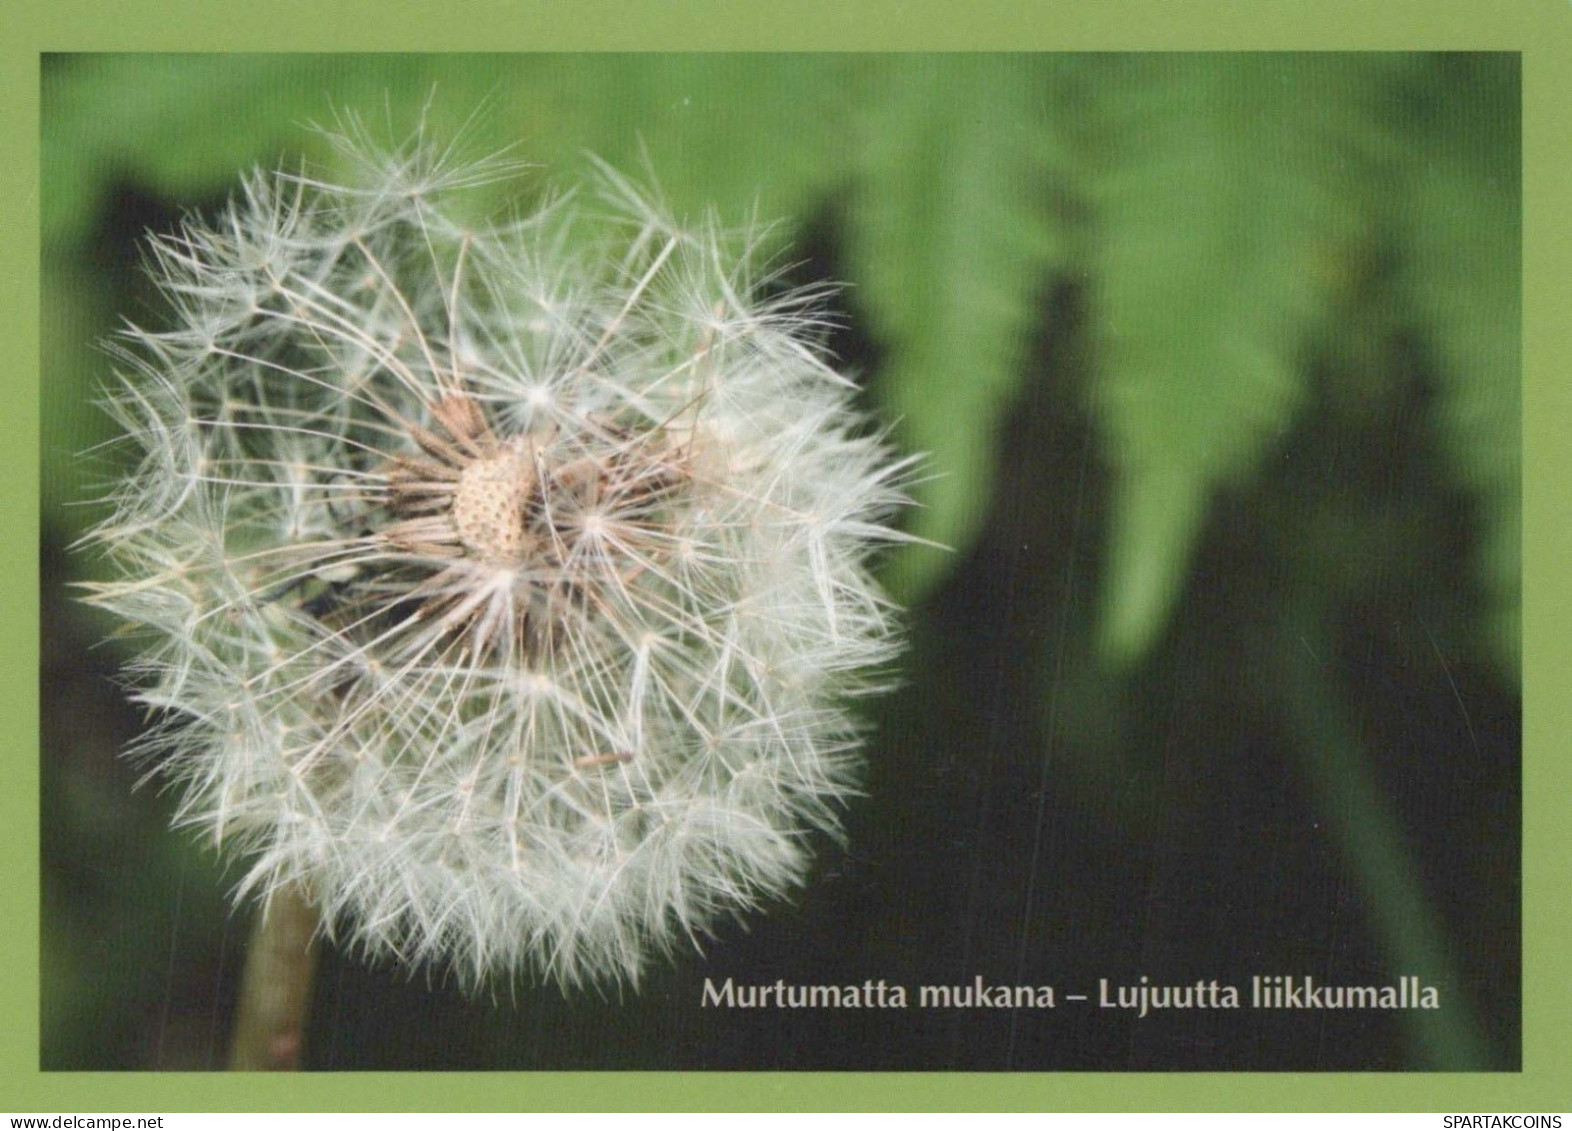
point(275, 990)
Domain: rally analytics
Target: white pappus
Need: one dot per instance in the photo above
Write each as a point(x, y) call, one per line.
point(501, 586)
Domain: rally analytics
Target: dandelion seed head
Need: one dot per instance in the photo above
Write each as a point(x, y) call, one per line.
point(503, 587)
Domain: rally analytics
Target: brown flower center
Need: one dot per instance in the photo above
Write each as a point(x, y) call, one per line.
point(489, 506)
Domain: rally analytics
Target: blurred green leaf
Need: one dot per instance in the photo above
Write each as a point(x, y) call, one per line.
point(951, 240)
point(780, 147)
point(1160, 515)
point(176, 124)
point(1224, 191)
point(1462, 232)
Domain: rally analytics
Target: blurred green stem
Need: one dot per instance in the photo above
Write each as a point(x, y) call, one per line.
point(275, 990)
point(1373, 843)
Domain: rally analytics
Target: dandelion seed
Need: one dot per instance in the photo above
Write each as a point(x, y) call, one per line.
point(501, 588)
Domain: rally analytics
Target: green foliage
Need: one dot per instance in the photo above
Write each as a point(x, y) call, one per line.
point(952, 241)
point(1218, 211)
point(1462, 230)
point(1229, 189)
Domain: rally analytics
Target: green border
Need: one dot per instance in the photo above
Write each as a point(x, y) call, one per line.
point(1540, 29)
